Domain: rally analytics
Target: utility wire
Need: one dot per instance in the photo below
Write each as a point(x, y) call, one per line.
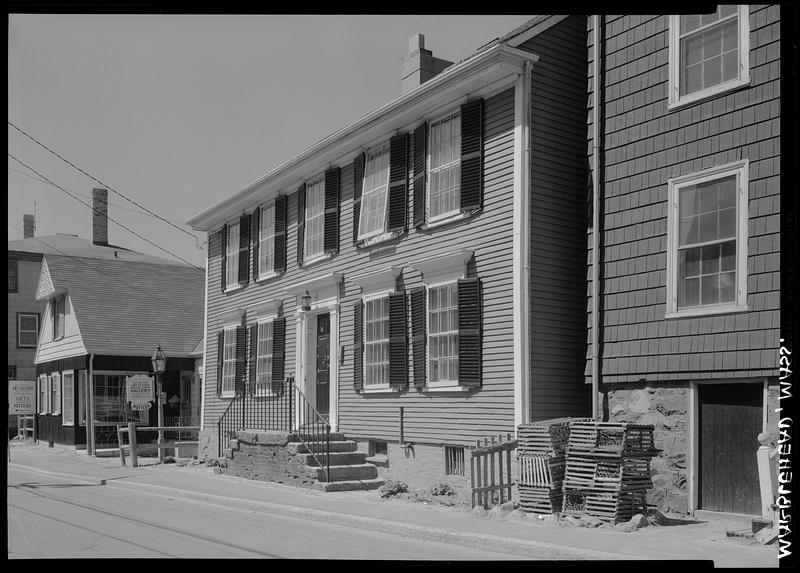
point(109, 218)
point(98, 271)
point(138, 212)
point(39, 143)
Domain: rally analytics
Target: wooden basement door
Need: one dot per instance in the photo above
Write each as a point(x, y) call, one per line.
point(731, 417)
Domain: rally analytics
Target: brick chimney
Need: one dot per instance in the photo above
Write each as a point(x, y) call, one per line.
point(28, 226)
point(419, 65)
point(100, 217)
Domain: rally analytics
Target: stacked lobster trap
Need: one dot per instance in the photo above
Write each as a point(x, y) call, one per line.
point(575, 466)
point(541, 457)
point(608, 470)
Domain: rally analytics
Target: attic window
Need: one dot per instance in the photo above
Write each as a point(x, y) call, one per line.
point(59, 310)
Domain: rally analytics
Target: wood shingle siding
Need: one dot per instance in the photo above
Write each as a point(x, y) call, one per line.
point(429, 417)
point(558, 215)
point(645, 144)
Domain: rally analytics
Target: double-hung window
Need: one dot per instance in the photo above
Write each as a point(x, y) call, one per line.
point(264, 357)
point(59, 311)
point(68, 399)
point(708, 53)
point(13, 273)
point(707, 242)
point(443, 334)
point(315, 218)
point(229, 362)
point(375, 190)
point(376, 341)
point(55, 393)
point(232, 256)
point(27, 329)
point(444, 168)
point(44, 394)
point(266, 241)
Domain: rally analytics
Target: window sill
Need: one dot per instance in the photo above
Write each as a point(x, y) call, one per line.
point(706, 311)
point(708, 93)
point(228, 396)
point(317, 258)
point(267, 276)
point(380, 389)
point(449, 388)
point(377, 239)
point(233, 288)
point(264, 394)
point(441, 222)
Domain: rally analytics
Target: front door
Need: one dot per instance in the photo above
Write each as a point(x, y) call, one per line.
point(323, 363)
point(731, 418)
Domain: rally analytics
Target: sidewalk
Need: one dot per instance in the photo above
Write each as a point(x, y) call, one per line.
point(521, 535)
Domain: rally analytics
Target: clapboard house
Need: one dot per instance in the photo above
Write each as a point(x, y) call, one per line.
point(105, 309)
point(684, 306)
point(419, 274)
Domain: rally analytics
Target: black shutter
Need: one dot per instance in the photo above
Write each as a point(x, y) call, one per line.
point(241, 358)
point(420, 173)
point(330, 240)
point(280, 233)
point(301, 222)
point(256, 233)
point(224, 249)
point(418, 342)
point(398, 343)
point(398, 183)
point(358, 182)
point(469, 332)
point(252, 358)
point(472, 155)
point(278, 353)
point(358, 346)
point(244, 249)
point(220, 360)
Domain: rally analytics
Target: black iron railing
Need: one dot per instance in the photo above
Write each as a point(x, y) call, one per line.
point(283, 408)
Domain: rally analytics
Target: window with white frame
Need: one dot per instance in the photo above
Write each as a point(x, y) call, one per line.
point(13, 273)
point(315, 217)
point(264, 353)
point(444, 167)
point(55, 393)
point(707, 241)
point(43, 394)
point(372, 219)
point(68, 399)
point(232, 256)
point(443, 333)
point(376, 341)
point(229, 362)
point(59, 311)
point(709, 53)
point(27, 329)
point(266, 240)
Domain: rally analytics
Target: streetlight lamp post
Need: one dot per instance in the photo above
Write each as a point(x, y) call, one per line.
point(159, 361)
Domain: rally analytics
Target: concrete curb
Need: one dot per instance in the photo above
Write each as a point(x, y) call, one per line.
point(532, 549)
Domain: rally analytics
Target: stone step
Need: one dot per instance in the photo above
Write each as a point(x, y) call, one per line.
point(335, 446)
point(346, 473)
point(349, 485)
point(337, 458)
point(334, 436)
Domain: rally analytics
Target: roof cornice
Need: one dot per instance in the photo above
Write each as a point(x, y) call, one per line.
point(489, 68)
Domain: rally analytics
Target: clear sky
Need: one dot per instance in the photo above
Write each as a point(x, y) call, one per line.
point(177, 112)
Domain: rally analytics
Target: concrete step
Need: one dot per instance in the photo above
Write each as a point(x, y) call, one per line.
point(312, 437)
point(337, 458)
point(346, 473)
point(336, 446)
point(349, 485)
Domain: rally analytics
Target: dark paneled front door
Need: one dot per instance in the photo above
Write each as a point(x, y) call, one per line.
point(323, 362)
point(731, 417)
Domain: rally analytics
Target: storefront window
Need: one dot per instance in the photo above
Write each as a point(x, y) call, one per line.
point(109, 400)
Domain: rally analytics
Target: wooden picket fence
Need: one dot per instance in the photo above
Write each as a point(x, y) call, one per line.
point(490, 470)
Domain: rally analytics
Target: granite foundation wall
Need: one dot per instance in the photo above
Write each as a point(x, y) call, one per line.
point(264, 456)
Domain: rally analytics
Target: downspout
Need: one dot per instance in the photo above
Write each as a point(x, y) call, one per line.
point(204, 376)
point(596, 218)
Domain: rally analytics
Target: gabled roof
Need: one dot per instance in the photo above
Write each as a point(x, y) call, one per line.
point(75, 246)
point(127, 307)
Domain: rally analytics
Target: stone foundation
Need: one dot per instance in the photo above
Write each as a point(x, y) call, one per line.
point(207, 447)
point(264, 456)
point(666, 408)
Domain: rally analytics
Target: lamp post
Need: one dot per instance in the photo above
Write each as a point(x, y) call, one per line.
point(159, 361)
